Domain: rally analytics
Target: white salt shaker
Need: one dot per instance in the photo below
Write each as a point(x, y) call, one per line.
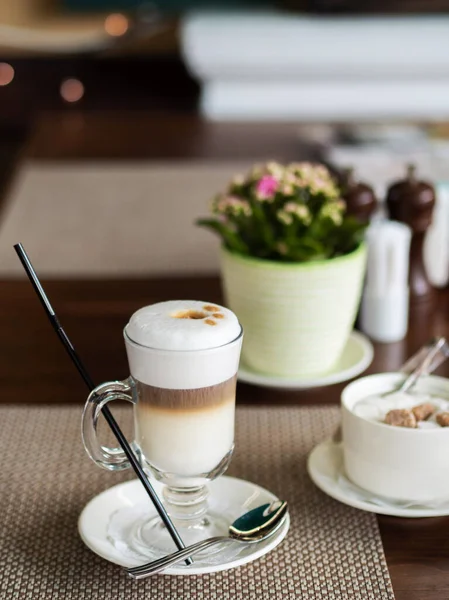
point(385, 301)
point(436, 243)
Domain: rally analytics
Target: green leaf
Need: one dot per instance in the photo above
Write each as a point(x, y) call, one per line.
point(231, 239)
point(262, 225)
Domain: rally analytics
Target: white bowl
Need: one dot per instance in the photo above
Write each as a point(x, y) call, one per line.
point(395, 462)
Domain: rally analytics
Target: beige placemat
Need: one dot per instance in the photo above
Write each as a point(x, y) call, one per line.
point(113, 218)
point(332, 552)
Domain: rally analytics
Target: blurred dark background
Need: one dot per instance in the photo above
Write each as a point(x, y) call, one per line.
point(123, 59)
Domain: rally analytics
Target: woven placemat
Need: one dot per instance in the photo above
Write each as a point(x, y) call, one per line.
point(110, 219)
point(332, 552)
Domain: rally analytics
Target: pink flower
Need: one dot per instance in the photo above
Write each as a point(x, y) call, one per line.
point(266, 187)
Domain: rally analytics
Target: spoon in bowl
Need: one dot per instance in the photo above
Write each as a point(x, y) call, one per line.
point(254, 526)
point(424, 362)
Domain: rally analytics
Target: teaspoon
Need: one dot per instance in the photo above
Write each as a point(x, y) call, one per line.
point(254, 526)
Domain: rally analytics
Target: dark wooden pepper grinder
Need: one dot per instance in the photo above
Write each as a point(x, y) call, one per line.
point(360, 199)
point(412, 202)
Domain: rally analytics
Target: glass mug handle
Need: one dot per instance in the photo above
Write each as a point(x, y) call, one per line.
point(113, 459)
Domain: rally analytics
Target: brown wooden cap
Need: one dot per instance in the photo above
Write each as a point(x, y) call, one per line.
point(361, 202)
point(411, 201)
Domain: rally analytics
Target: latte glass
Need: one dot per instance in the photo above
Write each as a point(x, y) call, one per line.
point(183, 404)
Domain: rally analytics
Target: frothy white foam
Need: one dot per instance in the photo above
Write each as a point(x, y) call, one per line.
point(183, 325)
point(375, 408)
point(183, 353)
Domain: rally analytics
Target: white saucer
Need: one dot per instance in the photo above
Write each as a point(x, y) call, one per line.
point(229, 496)
point(325, 467)
point(356, 357)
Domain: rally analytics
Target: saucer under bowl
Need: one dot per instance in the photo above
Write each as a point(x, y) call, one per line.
point(325, 466)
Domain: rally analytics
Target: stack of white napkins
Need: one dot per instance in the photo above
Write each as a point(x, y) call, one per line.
point(284, 66)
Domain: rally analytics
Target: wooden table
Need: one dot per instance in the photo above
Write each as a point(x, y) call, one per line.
point(34, 368)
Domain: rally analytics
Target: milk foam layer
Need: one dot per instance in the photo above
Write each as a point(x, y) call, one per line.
point(375, 408)
point(172, 367)
point(183, 325)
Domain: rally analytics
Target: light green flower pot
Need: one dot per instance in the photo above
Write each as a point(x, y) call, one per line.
point(296, 317)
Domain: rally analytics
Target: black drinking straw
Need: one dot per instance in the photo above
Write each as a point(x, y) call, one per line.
point(105, 410)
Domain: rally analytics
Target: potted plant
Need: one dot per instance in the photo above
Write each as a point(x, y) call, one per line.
point(292, 266)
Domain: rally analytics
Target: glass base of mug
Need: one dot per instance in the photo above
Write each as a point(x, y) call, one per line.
point(138, 533)
point(189, 511)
